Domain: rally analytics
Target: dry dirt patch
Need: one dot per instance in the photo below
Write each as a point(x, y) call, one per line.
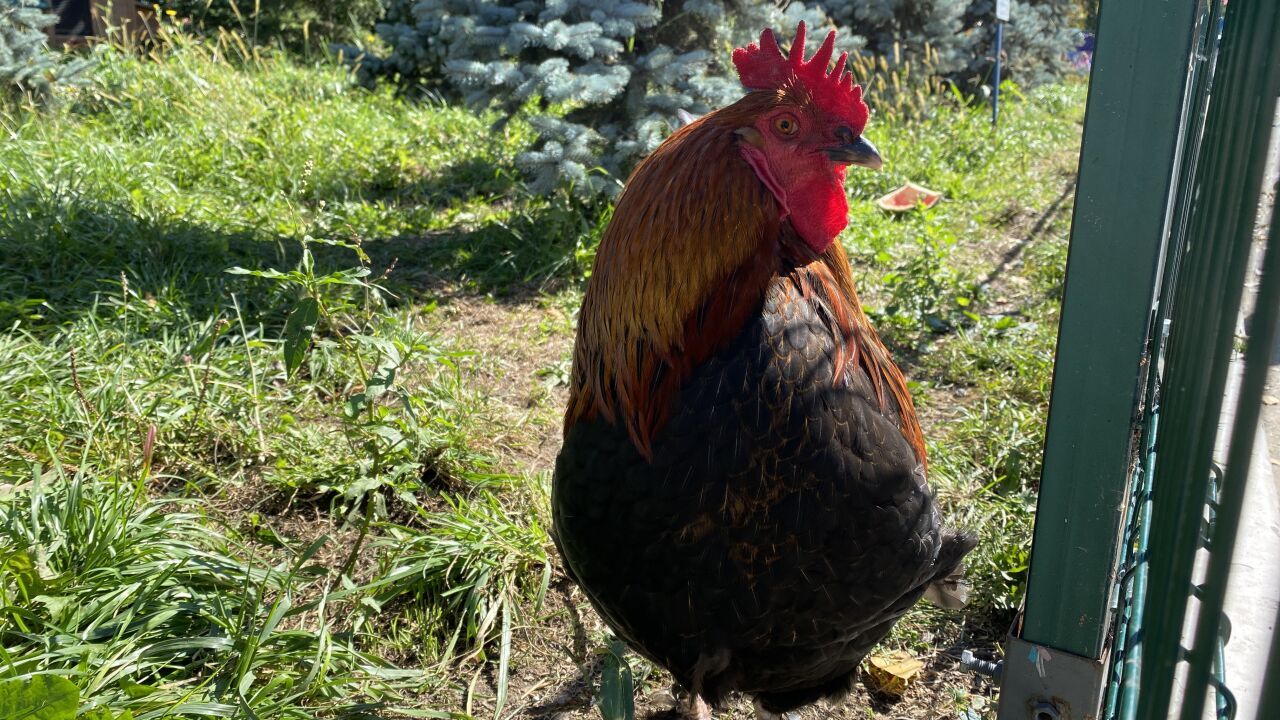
point(518, 347)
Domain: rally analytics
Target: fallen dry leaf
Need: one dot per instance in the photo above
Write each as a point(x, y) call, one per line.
point(890, 674)
point(1270, 400)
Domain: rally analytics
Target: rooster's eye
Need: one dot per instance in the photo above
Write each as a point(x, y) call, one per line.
point(786, 125)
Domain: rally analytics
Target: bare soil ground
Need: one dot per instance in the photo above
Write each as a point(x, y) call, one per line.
point(518, 347)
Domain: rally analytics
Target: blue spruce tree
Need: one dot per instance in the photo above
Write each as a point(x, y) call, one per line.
point(1036, 39)
point(961, 35)
point(902, 28)
point(26, 63)
point(607, 78)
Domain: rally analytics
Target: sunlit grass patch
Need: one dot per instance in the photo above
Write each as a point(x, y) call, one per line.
point(148, 607)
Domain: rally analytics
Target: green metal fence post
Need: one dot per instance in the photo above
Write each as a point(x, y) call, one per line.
point(1131, 138)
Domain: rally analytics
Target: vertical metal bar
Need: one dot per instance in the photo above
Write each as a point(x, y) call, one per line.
point(1199, 82)
point(1132, 638)
point(1126, 167)
point(1126, 608)
point(995, 85)
point(1206, 302)
point(1225, 704)
point(1261, 334)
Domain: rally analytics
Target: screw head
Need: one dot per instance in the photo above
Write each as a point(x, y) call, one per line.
point(1044, 710)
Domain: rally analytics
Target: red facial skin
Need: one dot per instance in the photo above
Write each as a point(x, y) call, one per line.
point(793, 164)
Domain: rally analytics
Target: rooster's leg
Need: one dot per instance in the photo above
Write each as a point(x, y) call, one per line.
point(695, 708)
point(763, 714)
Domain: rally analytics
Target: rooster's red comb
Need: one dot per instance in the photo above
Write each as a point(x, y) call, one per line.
point(763, 67)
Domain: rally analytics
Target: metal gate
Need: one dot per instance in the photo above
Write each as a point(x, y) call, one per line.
point(1135, 518)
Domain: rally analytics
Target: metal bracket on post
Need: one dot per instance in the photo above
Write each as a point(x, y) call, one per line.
point(1042, 683)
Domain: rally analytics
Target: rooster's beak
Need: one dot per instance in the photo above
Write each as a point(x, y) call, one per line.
point(859, 152)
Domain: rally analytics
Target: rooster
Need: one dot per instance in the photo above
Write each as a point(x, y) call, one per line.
point(741, 492)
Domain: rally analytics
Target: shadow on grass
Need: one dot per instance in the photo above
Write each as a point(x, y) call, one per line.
point(62, 257)
point(1038, 229)
point(535, 246)
point(440, 188)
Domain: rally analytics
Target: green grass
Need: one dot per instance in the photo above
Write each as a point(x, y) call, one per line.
point(278, 492)
point(148, 607)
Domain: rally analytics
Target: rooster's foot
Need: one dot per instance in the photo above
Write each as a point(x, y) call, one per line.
point(763, 714)
point(695, 708)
